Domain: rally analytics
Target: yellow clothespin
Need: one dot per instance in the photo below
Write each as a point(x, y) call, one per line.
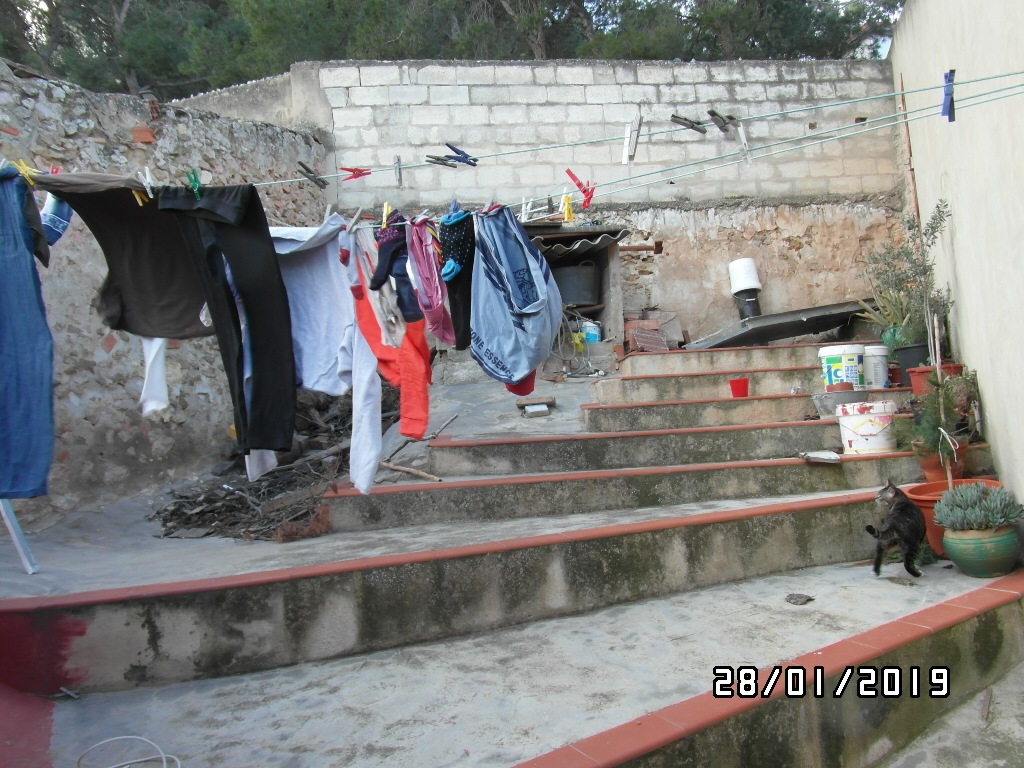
point(567, 207)
point(140, 197)
point(387, 212)
point(25, 170)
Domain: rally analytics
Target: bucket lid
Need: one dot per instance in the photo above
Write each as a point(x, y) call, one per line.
point(842, 349)
point(876, 349)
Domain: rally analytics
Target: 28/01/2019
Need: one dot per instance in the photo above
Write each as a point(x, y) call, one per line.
point(795, 682)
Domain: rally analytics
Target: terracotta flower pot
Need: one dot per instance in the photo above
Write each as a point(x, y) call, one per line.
point(931, 464)
point(925, 495)
point(919, 376)
point(842, 387)
point(984, 554)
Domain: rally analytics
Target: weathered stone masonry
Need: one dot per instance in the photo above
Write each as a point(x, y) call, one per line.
point(104, 448)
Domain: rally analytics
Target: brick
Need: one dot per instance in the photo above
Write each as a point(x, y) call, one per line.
point(678, 94)
point(524, 134)
point(374, 96)
point(378, 75)
point(726, 71)
point(356, 157)
point(699, 190)
point(566, 94)
point(337, 97)
point(871, 70)
point(449, 94)
point(352, 116)
point(369, 137)
point(509, 114)
point(625, 74)
point(830, 70)
point(469, 115)
point(604, 75)
point(435, 74)
point(785, 91)
point(654, 75)
point(862, 167)
point(544, 75)
point(513, 75)
point(844, 185)
point(741, 189)
point(408, 94)
point(813, 186)
point(339, 77)
point(347, 138)
point(430, 115)
point(690, 73)
point(879, 183)
point(797, 70)
point(641, 94)
point(597, 154)
point(604, 94)
point(833, 168)
point(539, 175)
point(760, 72)
point(619, 113)
point(586, 114)
point(489, 94)
point(547, 114)
point(574, 75)
point(528, 94)
point(795, 169)
point(851, 90)
point(709, 94)
point(775, 188)
point(819, 90)
point(749, 92)
point(474, 75)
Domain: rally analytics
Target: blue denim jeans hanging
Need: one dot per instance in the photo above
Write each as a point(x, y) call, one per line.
point(26, 353)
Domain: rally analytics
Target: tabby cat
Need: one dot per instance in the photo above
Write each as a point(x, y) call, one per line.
point(903, 527)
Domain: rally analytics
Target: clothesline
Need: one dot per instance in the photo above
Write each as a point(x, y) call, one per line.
point(587, 142)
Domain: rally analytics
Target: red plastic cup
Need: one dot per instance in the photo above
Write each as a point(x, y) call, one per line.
point(739, 387)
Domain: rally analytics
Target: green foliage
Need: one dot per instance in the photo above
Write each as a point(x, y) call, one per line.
point(977, 507)
point(949, 409)
point(903, 279)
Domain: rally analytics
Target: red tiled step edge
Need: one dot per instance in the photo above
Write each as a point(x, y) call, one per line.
point(53, 602)
point(589, 406)
point(595, 474)
point(646, 734)
point(448, 441)
point(715, 373)
point(737, 349)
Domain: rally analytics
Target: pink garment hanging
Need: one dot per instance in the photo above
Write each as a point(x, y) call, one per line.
point(425, 273)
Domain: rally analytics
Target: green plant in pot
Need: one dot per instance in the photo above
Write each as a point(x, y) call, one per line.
point(981, 529)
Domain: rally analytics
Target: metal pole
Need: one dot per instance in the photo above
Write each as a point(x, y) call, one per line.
point(27, 561)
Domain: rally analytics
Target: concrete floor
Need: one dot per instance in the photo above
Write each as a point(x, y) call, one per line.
point(500, 697)
point(965, 738)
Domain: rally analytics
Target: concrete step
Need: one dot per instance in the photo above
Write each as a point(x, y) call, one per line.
point(562, 493)
point(152, 634)
point(725, 359)
point(715, 384)
point(621, 684)
point(612, 450)
point(712, 412)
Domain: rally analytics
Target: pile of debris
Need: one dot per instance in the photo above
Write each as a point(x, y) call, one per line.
point(284, 504)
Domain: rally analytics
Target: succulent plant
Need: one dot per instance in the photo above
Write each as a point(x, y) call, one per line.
point(977, 507)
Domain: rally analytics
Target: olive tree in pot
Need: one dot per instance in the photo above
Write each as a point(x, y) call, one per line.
point(981, 534)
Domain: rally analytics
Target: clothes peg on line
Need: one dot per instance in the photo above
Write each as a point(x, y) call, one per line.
point(398, 170)
point(744, 147)
point(724, 122)
point(140, 197)
point(439, 160)
point(686, 122)
point(353, 173)
point(568, 215)
point(312, 175)
point(587, 190)
point(147, 181)
point(387, 212)
point(54, 170)
point(194, 183)
point(460, 156)
point(630, 141)
point(26, 170)
point(948, 104)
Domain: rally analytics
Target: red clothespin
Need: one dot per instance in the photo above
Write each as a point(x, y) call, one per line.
point(587, 190)
point(54, 170)
point(355, 173)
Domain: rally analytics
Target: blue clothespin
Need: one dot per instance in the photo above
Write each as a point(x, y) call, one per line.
point(193, 181)
point(460, 156)
point(948, 105)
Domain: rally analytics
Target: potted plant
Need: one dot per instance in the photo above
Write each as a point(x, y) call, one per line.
point(944, 421)
point(906, 301)
point(981, 534)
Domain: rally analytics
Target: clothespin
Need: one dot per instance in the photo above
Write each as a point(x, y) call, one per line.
point(25, 170)
point(387, 212)
point(439, 160)
point(587, 190)
point(744, 147)
point(630, 141)
point(948, 104)
point(147, 181)
point(54, 170)
point(312, 175)
point(686, 122)
point(140, 197)
point(354, 173)
point(398, 170)
point(723, 122)
point(568, 215)
point(194, 183)
point(460, 156)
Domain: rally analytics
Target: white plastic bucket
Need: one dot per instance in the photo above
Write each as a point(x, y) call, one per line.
point(591, 331)
point(843, 363)
point(876, 367)
point(865, 427)
point(743, 276)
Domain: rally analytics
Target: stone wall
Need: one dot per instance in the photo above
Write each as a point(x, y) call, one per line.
point(104, 448)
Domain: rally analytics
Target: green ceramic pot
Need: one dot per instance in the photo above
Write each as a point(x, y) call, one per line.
point(983, 554)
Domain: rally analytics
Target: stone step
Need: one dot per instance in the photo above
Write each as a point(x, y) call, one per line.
point(622, 685)
point(162, 633)
point(712, 412)
point(715, 384)
point(724, 359)
point(563, 493)
point(619, 450)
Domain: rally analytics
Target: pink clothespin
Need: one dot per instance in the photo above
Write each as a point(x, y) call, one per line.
point(355, 173)
point(587, 190)
point(54, 170)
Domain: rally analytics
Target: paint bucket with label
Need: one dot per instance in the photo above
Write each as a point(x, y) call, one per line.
point(591, 331)
point(865, 427)
point(843, 364)
point(876, 367)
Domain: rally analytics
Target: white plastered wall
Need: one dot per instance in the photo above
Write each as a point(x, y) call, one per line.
point(977, 164)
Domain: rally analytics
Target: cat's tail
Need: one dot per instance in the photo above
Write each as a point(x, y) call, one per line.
point(871, 529)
